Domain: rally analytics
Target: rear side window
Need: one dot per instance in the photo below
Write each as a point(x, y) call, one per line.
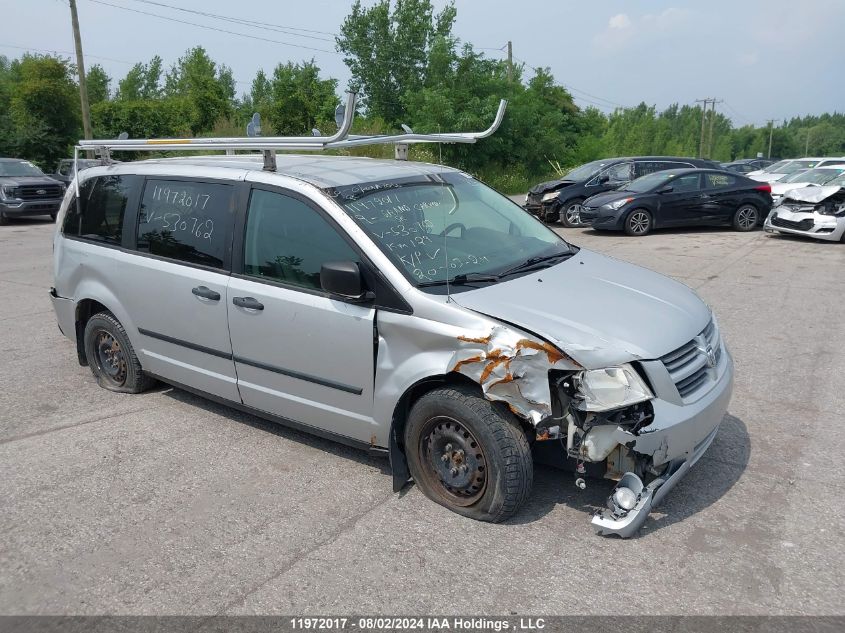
point(97, 213)
point(288, 241)
point(717, 181)
point(187, 220)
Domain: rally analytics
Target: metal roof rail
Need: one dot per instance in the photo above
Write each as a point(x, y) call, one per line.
point(269, 144)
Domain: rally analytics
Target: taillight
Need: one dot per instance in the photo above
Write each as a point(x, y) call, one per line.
point(764, 188)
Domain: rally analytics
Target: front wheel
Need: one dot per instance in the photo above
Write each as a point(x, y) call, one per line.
point(570, 214)
point(639, 222)
point(468, 455)
point(746, 218)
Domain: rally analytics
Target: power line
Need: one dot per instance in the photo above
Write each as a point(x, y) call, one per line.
point(279, 28)
point(49, 50)
point(214, 28)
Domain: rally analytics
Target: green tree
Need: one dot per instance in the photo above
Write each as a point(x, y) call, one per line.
point(43, 108)
point(208, 88)
point(98, 82)
point(387, 51)
point(298, 99)
point(143, 81)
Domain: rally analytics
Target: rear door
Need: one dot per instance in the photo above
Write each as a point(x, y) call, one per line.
point(724, 196)
point(685, 204)
point(176, 282)
point(300, 353)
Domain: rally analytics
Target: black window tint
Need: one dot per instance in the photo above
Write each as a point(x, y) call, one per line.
point(288, 241)
point(97, 213)
point(186, 220)
point(715, 181)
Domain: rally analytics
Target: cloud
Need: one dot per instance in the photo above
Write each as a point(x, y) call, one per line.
point(619, 21)
point(622, 29)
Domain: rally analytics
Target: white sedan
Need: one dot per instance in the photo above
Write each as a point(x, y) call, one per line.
point(806, 178)
point(776, 172)
point(817, 212)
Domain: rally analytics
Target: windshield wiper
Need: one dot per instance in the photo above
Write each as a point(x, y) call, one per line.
point(533, 262)
point(463, 278)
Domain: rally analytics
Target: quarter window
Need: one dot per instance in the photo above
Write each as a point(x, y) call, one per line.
point(97, 212)
point(186, 220)
point(288, 241)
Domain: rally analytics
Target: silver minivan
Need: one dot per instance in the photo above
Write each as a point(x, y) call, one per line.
point(402, 307)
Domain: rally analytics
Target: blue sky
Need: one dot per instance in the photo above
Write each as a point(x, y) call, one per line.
point(765, 59)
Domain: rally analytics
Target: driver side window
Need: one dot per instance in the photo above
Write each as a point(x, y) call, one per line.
point(620, 173)
point(686, 184)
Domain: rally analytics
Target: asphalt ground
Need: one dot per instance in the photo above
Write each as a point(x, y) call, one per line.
point(164, 503)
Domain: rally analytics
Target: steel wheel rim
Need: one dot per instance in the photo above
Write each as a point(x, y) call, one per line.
point(746, 217)
point(573, 214)
point(110, 359)
point(453, 461)
point(639, 222)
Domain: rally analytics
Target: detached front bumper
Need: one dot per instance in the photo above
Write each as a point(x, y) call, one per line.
point(679, 435)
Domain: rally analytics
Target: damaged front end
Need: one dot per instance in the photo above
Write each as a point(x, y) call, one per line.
point(628, 421)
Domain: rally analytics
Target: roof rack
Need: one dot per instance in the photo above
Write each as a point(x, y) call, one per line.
point(269, 144)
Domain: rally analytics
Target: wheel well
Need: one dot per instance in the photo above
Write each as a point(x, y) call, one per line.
point(85, 309)
point(403, 408)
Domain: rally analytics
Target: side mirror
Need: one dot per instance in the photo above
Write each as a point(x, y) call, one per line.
point(666, 189)
point(342, 279)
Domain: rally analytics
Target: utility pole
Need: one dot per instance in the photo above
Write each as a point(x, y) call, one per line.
point(705, 101)
point(80, 66)
point(771, 131)
point(510, 62)
point(712, 119)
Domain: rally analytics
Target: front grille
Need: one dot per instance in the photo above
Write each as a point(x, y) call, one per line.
point(803, 225)
point(689, 365)
point(38, 192)
point(534, 198)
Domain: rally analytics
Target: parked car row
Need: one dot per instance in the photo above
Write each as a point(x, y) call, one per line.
point(640, 194)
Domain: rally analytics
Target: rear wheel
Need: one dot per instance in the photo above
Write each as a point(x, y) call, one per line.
point(111, 357)
point(639, 222)
point(570, 213)
point(468, 455)
point(746, 218)
point(4, 220)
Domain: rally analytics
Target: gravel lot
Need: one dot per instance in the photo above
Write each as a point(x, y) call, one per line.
point(164, 503)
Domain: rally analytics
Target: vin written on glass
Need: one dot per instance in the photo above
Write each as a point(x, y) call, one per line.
point(180, 197)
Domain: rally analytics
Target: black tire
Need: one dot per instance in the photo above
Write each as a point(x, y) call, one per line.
point(456, 429)
point(53, 216)
point(568, 213)
point(746, 218)
point(111, 356)
point(639, 222)
point(3, 219)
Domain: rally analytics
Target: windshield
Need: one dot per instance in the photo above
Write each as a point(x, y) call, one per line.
point(775, 168)
point(586, 170)
point(815, 176)
point(797, 165)
point(649, 182)
point(839, 181)
point(19, 168)
point(66, 166)
point(447, 225)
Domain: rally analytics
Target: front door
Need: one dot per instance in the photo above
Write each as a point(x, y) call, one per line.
point(299, 353)
point(685, 205)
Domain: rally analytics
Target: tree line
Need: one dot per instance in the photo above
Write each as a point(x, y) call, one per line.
point(409, 68)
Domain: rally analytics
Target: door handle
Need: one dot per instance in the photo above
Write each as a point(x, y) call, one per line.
point(206, 293)
point(250, 303)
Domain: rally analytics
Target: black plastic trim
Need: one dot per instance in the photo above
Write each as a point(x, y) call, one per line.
point(306, 377)
point(188, 344)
